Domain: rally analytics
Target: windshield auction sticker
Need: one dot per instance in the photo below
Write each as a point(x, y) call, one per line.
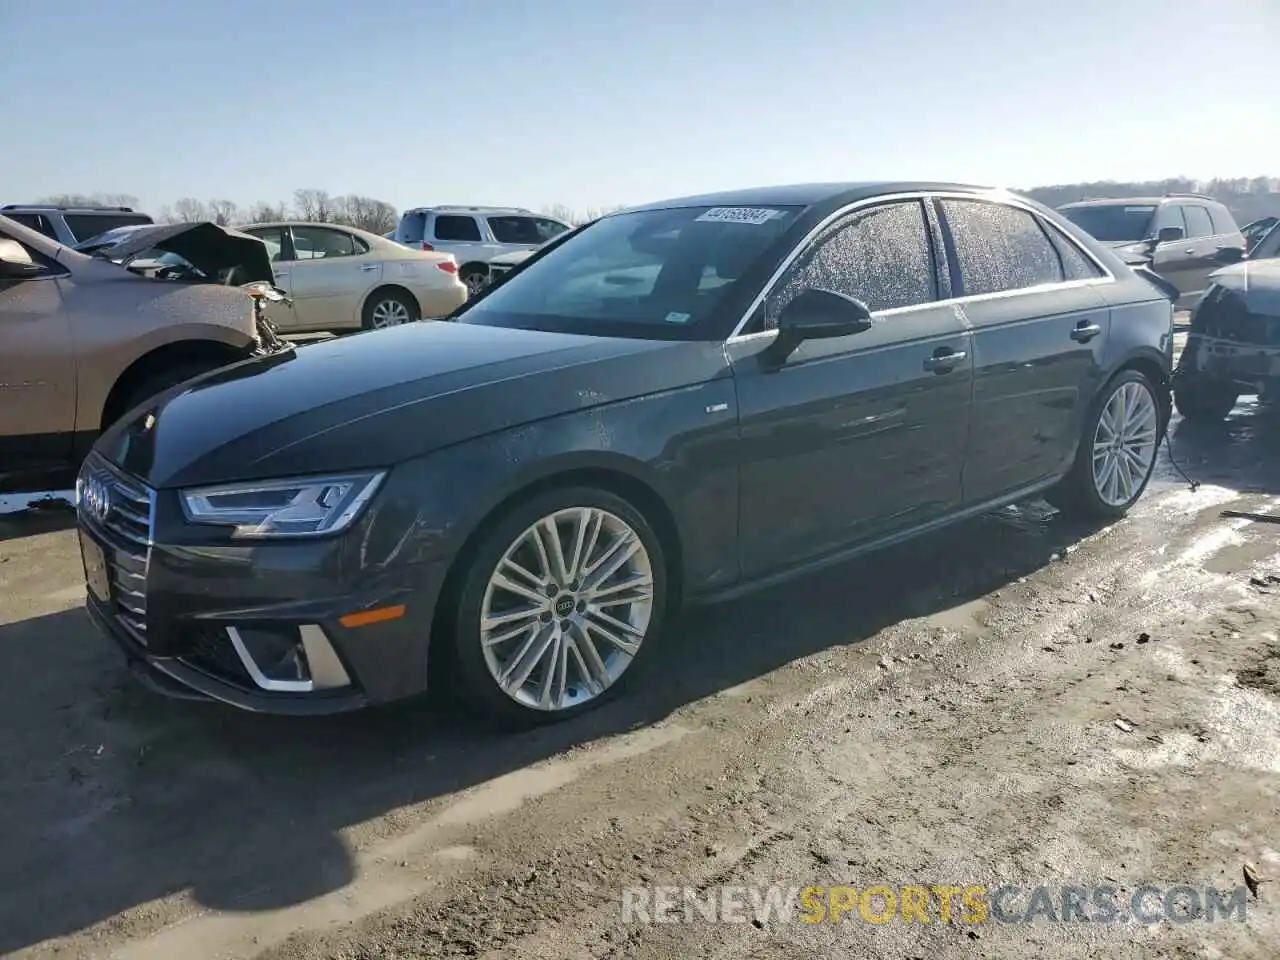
point(752, 215)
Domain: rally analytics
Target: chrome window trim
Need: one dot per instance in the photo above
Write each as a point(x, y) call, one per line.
point(989, 197)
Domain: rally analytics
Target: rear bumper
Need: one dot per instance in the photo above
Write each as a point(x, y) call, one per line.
point(1249, 367)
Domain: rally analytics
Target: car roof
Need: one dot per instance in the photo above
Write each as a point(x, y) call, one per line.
point(1138, 201)
point(488, 211)
point(812, 194)
point(62, 208)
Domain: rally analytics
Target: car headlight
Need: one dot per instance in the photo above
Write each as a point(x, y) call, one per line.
point(298, 507)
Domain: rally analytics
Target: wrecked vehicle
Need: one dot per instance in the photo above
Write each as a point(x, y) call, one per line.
point(1233, 347)
point(94, 336)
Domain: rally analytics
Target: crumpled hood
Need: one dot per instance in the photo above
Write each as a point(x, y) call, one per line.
point(1256, 282)
point(207, 246)
point(376, 399)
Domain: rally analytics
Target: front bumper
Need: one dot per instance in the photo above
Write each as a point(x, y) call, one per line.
point(291, 628)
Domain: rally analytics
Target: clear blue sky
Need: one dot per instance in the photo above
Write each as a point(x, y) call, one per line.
point(602, 102)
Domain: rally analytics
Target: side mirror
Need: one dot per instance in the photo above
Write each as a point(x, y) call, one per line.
point(817, 314)
point(1169, 235)
point(15, 262)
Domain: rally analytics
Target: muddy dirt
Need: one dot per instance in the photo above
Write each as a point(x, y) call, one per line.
point(1018, 701)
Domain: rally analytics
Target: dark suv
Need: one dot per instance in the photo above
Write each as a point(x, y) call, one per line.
point(1183, 236)
point(72, 225)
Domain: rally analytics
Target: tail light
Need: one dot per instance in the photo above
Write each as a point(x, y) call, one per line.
point(427, 246)
point(448, 266)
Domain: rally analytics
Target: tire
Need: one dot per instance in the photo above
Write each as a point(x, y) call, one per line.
point(549, 613)
point(476, 277)
point(389, 308)
point(158, 383)
point(1088, 494)
point(1203, 402)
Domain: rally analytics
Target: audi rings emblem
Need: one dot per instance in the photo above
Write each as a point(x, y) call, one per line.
point(97, 498)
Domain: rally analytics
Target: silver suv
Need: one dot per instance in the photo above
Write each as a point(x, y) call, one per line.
point(475, 235)
point(72, 225)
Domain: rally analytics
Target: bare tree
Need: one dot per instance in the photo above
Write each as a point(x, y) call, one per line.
point(189, 210)
point(366, 213)
point(264, 212)
point(224, 212)
point(314, 205)
point(93, 200)
point(562, 212)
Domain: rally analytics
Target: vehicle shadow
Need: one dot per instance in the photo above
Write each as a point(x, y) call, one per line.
point(113, 796)
point(1242, 452)
point(43, 516)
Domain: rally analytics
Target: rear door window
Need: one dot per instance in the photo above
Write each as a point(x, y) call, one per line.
point(1223, 222)
point(456, 228)
point(1198, 222)
point(999, 248)
point(83, 226)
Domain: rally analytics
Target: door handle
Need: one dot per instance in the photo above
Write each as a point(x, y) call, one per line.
point(1189, 250)
point(1083, 332)
point(944, 362)
point(370, 267)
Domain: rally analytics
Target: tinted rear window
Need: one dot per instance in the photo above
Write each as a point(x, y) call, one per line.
point(412, 228)
point(86, 225)
point(1113, 223)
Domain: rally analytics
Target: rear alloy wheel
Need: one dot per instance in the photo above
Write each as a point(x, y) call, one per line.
point(389, 309)
point(476, 279)
point(1117, 452)
point(561, 601)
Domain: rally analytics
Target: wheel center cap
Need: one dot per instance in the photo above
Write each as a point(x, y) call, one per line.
point(564, 605)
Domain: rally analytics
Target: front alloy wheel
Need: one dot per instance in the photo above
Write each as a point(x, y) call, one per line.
point(563, 599)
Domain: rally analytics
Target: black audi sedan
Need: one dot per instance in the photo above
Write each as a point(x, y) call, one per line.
point(673, 404)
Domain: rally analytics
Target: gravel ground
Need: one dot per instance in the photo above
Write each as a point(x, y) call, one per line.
point(1015, 701)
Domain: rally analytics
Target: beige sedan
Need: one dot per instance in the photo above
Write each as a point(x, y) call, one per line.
point(341, 278)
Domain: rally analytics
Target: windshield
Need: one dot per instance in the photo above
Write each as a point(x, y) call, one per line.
point(652, 273)
point(1268, 246)
point(1113, 222)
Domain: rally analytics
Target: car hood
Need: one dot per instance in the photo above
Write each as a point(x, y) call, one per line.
point(511, 259)
point(379, 398)
point(206, 246)
point(1255, 282)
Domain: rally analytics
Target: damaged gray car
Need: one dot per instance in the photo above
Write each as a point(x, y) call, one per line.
point(1233, 346)
point(93, 336)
